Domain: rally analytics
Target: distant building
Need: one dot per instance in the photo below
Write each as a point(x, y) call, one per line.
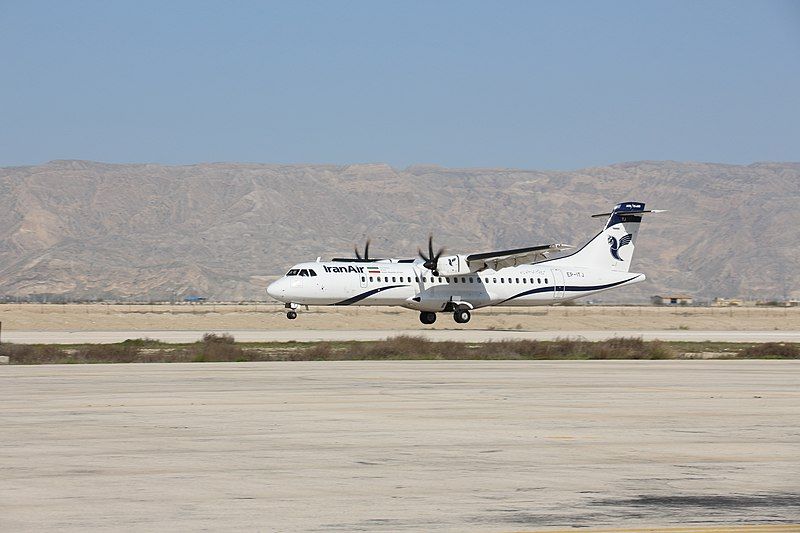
point(195, 299)
point(778, 303)
point(728, 302)
point(680, 299)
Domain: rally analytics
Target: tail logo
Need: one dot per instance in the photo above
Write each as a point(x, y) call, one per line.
point(615, 246)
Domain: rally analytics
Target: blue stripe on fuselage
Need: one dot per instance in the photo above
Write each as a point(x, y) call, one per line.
point(569, 288)
point(359, 297)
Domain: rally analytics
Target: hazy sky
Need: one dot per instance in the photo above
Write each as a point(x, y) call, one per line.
point(547, 85)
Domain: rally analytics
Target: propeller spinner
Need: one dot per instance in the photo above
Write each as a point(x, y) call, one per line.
point(431, 260)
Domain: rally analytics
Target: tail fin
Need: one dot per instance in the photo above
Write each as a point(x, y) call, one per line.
point(612, 248)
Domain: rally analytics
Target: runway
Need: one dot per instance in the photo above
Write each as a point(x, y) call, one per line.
point(401, 446)
point(462, 335)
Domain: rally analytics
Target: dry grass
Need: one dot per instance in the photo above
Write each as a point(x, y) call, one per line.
point(771, 350)
point(223, 348)
point(411, 347)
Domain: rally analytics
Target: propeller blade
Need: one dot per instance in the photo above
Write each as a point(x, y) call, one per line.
point(432, 259)
point(366, 252)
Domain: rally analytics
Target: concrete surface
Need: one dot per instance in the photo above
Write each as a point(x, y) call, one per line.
point(464, 335)
point(400, 446)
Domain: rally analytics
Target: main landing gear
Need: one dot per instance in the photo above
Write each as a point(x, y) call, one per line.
point(462, 316)
point(426, 317)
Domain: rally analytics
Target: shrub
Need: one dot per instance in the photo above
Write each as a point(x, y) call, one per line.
point(213, 338)
point(142, 342)
point(322, 351)
point(771, 350)
point(105, 353)
point(32, 354)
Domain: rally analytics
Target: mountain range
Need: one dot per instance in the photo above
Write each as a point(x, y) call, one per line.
point(88, 230)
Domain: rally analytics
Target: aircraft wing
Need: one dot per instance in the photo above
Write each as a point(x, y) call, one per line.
point(518, 256)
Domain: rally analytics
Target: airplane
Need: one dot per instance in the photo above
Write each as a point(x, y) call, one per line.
point(462, 283)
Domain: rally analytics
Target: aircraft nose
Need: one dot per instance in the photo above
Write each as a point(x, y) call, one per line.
point(276, 289)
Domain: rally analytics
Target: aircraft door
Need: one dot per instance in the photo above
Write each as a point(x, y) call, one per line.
point(558, 283)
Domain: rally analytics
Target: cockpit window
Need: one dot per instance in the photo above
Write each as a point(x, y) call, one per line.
point(301, 272)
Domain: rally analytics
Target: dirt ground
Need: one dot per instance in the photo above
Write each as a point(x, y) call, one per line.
point(111, 317)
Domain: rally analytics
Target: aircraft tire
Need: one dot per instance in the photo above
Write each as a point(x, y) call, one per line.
point(462, 316)
point(291, 315)
point(427, 318)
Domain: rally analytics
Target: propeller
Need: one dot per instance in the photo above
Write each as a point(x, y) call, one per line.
point(431, 260)
point(366, 252)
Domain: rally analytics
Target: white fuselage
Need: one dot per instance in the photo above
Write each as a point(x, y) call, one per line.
point(411, 285)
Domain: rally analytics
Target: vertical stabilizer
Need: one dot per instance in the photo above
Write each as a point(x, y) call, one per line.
point(612, 248)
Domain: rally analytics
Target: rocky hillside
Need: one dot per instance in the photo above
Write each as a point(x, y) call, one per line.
point(91, 230)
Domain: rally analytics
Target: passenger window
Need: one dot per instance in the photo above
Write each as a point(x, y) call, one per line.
point(494, 280)
point(517, 281)
point(416, 279)
point(363, 278)
point(524, 281)
point(545, 281)
point(463, 280)
point(379, 279)
point(440, 279)
point(539, 281)
point(470, 280)
point(394, 280)
point(370, 279)
point(423, 279)
point(455, 280)
point(502, 280)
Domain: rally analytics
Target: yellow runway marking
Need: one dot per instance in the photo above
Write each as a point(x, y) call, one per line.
point(776, 528)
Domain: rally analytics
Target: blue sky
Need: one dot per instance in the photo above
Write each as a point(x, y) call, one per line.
point(546, 85)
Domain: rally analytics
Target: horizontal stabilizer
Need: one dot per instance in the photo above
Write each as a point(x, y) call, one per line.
point(653, 211)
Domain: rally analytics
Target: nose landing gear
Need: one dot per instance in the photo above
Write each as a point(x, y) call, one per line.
point(461, 316)
point(291, 314)
point(426, 317)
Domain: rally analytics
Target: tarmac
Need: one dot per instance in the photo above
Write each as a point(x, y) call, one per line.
point(463, 335)
point(402, 446)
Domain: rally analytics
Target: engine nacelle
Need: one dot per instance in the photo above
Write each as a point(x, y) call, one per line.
point(453, 265)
